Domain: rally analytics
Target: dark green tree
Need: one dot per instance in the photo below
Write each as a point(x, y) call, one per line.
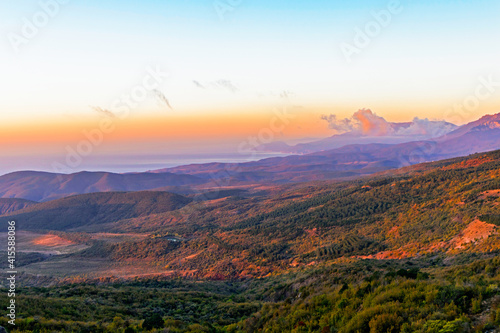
point(154, 321)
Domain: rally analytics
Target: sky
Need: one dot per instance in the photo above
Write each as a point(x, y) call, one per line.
point(191, 76)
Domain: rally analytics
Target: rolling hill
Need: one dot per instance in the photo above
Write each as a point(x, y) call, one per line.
point(428, 208)
point(43, 186)
point(10, 205)
point(95, 208)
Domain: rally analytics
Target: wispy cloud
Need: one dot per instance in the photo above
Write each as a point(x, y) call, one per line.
point(103, 112)
point(228, 85)
point(286, 94)
point(198, 85)
point(219, 84)
point(161, 97)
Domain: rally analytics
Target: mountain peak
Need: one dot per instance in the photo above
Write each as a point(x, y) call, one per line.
point(488, 122)
point(485, 123)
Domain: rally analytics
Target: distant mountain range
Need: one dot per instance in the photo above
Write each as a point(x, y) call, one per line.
point(365, 127)
point(349, 161)
point(357, 159)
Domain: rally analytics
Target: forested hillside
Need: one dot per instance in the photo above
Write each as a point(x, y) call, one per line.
point(410, 250)
point(95, 208)
point(445, 207)
point(10, 205)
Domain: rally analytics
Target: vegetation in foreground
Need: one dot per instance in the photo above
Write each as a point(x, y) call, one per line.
point(352, 296)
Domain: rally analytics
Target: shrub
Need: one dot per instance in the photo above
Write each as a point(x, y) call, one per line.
point(387, 323)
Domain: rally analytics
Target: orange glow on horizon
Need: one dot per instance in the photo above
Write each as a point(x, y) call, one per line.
point(158, 128)
point(37, 135)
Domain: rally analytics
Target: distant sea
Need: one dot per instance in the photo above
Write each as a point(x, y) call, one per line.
point(124, 163)
point(155, 162)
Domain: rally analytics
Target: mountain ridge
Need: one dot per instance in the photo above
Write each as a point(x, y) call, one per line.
point(95, 208)
point(44, 186)
point(346, 162)
point(8, 205)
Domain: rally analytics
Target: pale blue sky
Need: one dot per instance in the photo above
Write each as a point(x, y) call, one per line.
point(428, 59)
point(92, 51)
